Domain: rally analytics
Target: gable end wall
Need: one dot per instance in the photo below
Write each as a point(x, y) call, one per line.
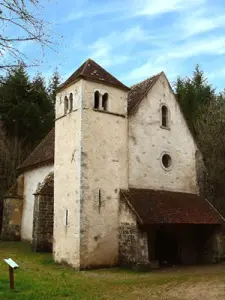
point(147, 142)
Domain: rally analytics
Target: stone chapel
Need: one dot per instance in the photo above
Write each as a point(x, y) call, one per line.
point(117, 181)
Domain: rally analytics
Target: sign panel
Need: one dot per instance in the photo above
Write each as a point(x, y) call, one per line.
point(11, 263)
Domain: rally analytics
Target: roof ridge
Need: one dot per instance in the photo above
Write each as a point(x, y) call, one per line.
point(139, 91)
point(28, 161)
point(85, 65)
point(156, 75)
point(91, 70)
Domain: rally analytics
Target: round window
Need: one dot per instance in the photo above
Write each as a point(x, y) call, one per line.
point(166, 161)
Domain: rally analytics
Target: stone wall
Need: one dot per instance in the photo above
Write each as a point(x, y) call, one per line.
point(43, 223)
point(12, 211)
point(104, 171)
point(133, 240)
point(148, 141)
point(67, 177)
point(11, 222)
point(133, 245)
point(43, 216)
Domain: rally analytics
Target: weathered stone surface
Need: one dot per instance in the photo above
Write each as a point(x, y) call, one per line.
point(148, 141)
point(43, 217)
point(16, 189)
point(12, 211)
point(133, 245)
point(11, 223)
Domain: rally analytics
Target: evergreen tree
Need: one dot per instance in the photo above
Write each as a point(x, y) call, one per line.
point(53, 85)
point(14, 94)
point(26, 116)
point(42, 107)
point(205, 114)
point(193, 93)
point(26, 109)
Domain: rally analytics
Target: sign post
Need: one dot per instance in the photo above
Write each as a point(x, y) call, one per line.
point(12, 265)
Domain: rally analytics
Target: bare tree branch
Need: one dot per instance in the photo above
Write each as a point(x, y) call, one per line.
point(19, 17)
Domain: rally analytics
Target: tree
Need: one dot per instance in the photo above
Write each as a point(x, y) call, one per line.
point(53, 85)
point(26, 116)
point(193, 93)
point(26, 109)
point(43, 108)
point(210, 128)
point(18, 26)
point(205, 114)
point(13, 95)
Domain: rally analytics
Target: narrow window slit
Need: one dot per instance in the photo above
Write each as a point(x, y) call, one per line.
point(164, 116)
point(105, 101)
point(96, 100)
point(67, 217)
point(71, 102)
point(99, 200)
point(66, 104)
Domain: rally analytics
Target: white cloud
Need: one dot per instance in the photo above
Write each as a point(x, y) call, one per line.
point(131, 8)
point(107, 50)
point(89, 10)
point(149, 68)
point(169, 59)
point(103, 53)
point(199, 47)
point(158, 7)
point(187, 33)
point(200, 21)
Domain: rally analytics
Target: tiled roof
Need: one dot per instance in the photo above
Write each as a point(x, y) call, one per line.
point(43, 153)
point(139, 90)
point(91, 70)
point(157, 207)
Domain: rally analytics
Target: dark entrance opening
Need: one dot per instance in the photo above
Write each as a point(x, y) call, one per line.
point(186, 244)
point(166, 248)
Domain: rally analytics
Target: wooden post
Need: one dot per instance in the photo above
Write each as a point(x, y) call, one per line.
point(11, 277)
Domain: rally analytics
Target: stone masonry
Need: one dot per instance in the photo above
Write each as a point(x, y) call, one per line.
point(133, 246)
point(43, 217)
point(12, 212)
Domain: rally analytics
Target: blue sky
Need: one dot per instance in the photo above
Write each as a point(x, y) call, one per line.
point(135, 39)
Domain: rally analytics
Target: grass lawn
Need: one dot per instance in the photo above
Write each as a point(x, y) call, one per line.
point(39, 278)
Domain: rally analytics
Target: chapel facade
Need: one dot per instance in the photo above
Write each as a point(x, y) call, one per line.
point(117, 181)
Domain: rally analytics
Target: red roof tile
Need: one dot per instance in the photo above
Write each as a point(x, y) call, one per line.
point(154, 207)
point(139, 90)
point(43, 153)
point(92, 71)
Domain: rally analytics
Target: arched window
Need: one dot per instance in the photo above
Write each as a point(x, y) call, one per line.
point(71, 101)
point(96, 100)
point(105, 101)
point(66, 103)
point(164, 112)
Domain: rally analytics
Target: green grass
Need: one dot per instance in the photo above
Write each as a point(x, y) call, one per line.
point(40, 278)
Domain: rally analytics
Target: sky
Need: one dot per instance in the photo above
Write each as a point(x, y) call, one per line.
point(135, 39)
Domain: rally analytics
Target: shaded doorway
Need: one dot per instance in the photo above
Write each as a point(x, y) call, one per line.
point(166, 248)
point(186, 244)
point(43, 216)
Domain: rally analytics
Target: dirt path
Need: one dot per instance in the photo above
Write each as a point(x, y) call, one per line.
point(196, 291)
